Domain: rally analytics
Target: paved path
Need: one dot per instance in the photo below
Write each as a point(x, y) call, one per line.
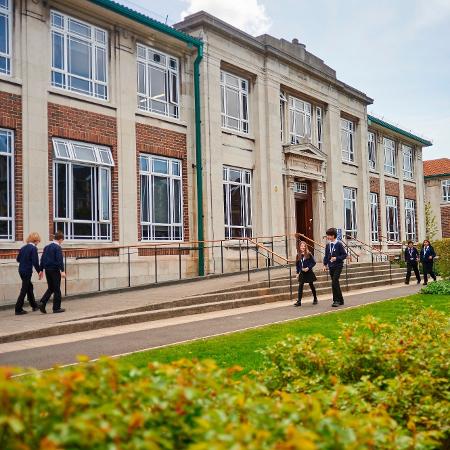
point(46, 352)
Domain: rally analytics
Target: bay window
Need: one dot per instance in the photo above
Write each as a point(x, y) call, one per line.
point(410, 219)
point(348, 140)
point(446, 191)
point(408, 162)
point(82, 190)
point(392, 218)
point(300, 120)
point(372, 150)
point(79, 56)
point(5, 36)
point(161, 198)
point(234, 102)
point(237, 202)
point(158, 77)
point(374, 217)
point(6, 185)
point(350, 226)
point(390, 157)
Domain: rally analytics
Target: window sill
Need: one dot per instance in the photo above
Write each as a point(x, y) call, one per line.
point(80, 97)
point(10, 79)
point(350, 163)
point(162, 118)
point(238, 134)
point(388, 175)
point(375, 171)
point(409, 180)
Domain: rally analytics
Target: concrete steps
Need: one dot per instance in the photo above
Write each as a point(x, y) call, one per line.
point(360, 276)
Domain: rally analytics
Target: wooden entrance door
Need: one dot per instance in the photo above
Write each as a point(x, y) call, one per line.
point(303, 213)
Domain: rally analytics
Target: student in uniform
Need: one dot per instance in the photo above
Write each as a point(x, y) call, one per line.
point(27, 259)
point(52, 262)
point(305, 264)
point(412, 262)
point(335, 255)
point(427, 255)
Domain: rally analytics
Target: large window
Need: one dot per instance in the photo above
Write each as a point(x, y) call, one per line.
point(408, 162)
point(82, 190)
point(79, 56)
point(390, 159)
point(410, 219)
point(283, 103)
point(6, 185)
point(161, 198)
point(348, 140)
point(237, 202)
point(350, 226)
point(372, 150)
point(299, 120)
point(234, 99)
point(5, 36)
point(446, 191)
point(392, 218)
point(374, 235)
point(319, 121)
point(157, 82)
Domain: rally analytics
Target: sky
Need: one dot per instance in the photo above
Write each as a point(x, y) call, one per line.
point(397, 52)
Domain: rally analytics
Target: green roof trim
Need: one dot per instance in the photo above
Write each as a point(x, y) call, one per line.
point(146, 20)
point(439, 175)
point(375, 120)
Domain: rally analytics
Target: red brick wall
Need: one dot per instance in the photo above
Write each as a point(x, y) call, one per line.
point(11, 118)
point(71, 123)
point(410, 192)
point(391, 188)
point(445, 221)
point(374, 185)
point(158, 141)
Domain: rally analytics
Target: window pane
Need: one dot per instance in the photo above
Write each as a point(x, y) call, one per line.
point(160, 200)
point(82, 192)
point(234, 175)
point(157, 82)
point(61, 191)
point(84, 153)
point(79, 58)
point(83, 231)
point(100, 64)
point(4, 34)
point(236, 205)
point(104, 193)
point(57, 51)
point(4, 186)
point(143, 163)
point(232, 103)
point(141, 78)
point(177, 201)
point(79, 28)
point(145, 199)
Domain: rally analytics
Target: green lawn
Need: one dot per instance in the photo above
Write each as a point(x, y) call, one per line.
point(241, 348)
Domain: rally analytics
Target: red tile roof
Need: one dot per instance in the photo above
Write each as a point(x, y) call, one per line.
point(435, 167)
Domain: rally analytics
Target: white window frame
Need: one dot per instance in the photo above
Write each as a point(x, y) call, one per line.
point(347, 140)
point(393, 234)
point(10, 179)
point(374, 231)
point(245, 186)
point(7, 13)
point(147, 175)
point(372, 150)
point(408, 162)
point(300, 119)
point(241, 88)
point(65, 153)
point(445, 191)
point(410, 220)
point(300, 187)
point(148, 60)
point(319, 127)
point(283, 104)
point(350, 229)
point(390, 156)
point(97, 44)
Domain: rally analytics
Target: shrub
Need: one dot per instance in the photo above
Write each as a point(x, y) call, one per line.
point(441, 287)
point(442, 263)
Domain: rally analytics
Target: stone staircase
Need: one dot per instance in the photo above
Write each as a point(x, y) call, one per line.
point(354, 276)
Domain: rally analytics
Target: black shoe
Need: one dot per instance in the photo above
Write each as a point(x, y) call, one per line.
point(406, 282)
point(42, 308)
point(315, 301)
point(418, 281)
point(341, 303)
point(35, 308)
point(60, 310)
point(298, 304)
point(20, 313)
point(425, 284)
point(335, 304)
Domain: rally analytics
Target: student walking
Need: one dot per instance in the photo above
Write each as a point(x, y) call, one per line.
point(335, 254)
point(305, 264)
point(427, 255)
point(412, 262)
point(52, 262)
point(27, 259)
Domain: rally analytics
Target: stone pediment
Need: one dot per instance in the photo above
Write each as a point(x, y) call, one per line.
point(305, 160)
point(306, 149)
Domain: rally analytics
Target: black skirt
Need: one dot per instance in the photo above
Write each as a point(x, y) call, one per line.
point(307, 277)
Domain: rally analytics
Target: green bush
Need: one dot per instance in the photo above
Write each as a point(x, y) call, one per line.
point(442, 263)
point(441, 287)
point(377, 387)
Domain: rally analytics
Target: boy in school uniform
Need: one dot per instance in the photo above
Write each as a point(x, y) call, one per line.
point(335, 255)
point(52, 262)
point(427, 255)
point(27, 259)
point(412, 262)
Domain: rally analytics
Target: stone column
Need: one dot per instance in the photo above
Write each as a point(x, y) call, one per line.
point(318, 201)
point(289, 208)
point(420, 195)
point(382, 196)
point(401, 195)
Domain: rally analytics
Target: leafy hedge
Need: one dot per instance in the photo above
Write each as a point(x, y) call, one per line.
point(377, 387)
point(441, 287)
point(442, 263)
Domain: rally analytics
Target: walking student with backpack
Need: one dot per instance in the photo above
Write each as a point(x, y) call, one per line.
point(335, 255)
point(412, 262)
point(427, 255)
point(305, 264)
point(52, 262)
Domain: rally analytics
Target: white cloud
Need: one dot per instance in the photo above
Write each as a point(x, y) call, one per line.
point(248, 15)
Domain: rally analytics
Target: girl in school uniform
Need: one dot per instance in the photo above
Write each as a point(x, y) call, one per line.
point(427, 255)
point(305, 265)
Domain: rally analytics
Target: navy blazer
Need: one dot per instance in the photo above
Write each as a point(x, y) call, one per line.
point(425, 255)
point(337, 250)
point(306, 263)
point(52, 258)
point(27, 259)
point(411, 257)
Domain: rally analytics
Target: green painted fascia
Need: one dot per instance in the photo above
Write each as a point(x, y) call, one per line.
point(148, 21)
point(375, 120)
point(440, 175)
